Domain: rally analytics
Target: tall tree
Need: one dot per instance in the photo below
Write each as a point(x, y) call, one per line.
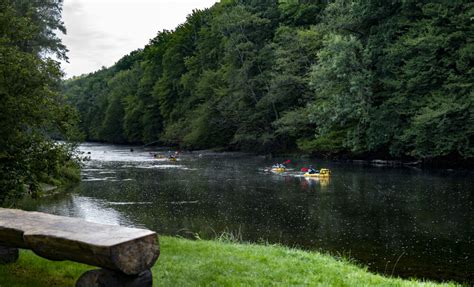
point(31, 108)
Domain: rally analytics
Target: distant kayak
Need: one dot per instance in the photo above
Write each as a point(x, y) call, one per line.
point(159, 156)
point(279, 169)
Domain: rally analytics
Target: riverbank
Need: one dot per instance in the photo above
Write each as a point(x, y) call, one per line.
point(202, 263)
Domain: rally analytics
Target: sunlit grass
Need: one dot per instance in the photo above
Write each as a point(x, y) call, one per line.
point(215, 263)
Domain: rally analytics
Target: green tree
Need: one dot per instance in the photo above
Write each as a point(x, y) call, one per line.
point(295, 52)
point(31, 109)
point(342, 84)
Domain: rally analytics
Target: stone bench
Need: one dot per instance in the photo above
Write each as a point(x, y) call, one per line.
point(125, 254)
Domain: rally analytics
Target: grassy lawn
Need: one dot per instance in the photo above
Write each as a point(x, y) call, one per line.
point(213, 263)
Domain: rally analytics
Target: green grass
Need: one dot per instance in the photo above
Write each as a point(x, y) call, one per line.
point(213, 263)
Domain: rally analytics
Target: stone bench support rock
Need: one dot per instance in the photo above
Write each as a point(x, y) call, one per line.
point(8, 255)
point(124, 253)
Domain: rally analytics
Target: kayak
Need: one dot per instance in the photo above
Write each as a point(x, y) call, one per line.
point(172, 159)
point(279, 169)
point(324, 172)
point(315, 175)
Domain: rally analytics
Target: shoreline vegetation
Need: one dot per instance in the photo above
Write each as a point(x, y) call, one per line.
point(185, 262)
point(65, 175)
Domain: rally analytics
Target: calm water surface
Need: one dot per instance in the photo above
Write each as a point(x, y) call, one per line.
point(401, 221)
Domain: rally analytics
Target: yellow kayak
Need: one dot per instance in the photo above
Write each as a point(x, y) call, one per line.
point(315, 175)
point(172, 159)
point(324, 172)
point(278, 169)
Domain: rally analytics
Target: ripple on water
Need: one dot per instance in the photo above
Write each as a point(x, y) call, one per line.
point(129, 203)
point(107, 178)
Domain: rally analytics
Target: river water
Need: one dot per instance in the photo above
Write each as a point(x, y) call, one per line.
point(402, 221)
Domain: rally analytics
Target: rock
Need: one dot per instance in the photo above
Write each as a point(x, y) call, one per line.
point(106, 278)
point(8, 255)
point(129, 250)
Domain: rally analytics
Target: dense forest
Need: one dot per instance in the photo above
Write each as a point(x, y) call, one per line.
point(32, 110)
point(387, 79)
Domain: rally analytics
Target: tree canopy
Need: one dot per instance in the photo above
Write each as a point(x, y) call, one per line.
point(359, 78)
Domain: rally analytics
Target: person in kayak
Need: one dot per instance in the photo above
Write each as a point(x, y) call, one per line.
point(281, 165)
point(311, 170)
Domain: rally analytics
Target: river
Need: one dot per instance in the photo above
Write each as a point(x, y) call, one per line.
point(402, 221)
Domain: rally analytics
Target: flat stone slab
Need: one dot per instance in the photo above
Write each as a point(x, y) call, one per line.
point(129, 250)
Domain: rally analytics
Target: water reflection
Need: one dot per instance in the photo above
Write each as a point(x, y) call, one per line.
point(395, 220)
point(311, 183)
point(88, 208)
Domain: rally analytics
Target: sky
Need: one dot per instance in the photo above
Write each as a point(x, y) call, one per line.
point(100, 32)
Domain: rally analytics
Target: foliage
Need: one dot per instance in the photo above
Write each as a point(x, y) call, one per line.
point(31, 109)
point(342, 85)
point(360, 78)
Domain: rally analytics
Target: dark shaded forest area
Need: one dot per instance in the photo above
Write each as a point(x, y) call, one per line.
point(359, 79)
